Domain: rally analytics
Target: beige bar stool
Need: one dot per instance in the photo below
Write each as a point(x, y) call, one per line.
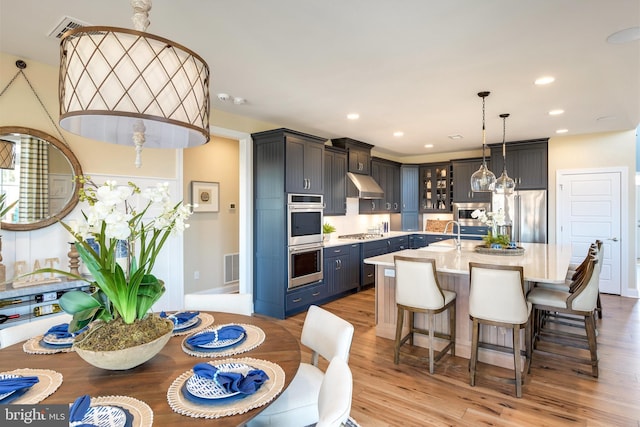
point(418, 291)
point(580, 300)
point(496, 298)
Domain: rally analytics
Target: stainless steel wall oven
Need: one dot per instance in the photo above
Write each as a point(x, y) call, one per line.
point(305, 248)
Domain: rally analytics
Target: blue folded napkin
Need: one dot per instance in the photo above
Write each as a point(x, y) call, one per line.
point(62, 331)
point(181, 317)
point(232, 382)
point(230, 332)
point(79, 408)
point(8, 385)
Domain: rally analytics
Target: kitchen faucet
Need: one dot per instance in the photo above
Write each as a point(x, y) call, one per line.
point(458, 243)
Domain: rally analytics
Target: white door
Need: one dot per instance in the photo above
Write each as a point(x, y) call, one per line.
point(589, 206)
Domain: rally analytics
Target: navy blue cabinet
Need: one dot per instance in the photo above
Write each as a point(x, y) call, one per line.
point(283, 161)
point(342, 268)
point(335, 184)
point(418, 241)
point(409, 198)
point(527, 163)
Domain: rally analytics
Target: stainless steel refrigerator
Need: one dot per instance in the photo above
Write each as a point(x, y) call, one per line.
point(527, 211)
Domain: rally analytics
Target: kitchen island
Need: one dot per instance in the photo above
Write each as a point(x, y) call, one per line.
point(541, 263)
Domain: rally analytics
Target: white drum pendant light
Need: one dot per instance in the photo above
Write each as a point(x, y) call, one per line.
point(504, 184)
point(133, 88)
point(483, 180)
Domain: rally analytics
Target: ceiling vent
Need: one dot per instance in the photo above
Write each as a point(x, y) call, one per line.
point(65, 25)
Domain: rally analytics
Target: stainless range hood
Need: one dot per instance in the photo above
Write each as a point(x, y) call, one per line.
point(367, 187)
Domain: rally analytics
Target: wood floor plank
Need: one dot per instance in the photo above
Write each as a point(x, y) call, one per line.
point(556, 392)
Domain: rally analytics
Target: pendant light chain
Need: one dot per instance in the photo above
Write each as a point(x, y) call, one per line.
point(21, 66)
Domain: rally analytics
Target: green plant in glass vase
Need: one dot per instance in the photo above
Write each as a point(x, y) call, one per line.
point(493, 220)
point(111, 220)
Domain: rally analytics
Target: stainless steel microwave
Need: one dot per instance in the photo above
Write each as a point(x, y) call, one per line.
point(462, 212)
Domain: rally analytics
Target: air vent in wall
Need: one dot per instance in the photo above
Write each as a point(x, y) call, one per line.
point(231, 268)
point(65, 25)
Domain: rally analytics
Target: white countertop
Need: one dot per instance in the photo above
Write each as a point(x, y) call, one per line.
point(542, 262)
point(335, 241)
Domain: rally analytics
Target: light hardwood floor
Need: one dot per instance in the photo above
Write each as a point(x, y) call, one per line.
point(556, 393)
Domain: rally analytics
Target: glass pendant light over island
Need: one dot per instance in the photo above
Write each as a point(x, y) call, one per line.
point(483, 180)
point(504, 184)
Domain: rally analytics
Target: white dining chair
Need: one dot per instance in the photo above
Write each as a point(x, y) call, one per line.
point(327, 335)
point(496, 298)
point(226, 303)
point(334, 401)
point(418, 291)
point(24, 331)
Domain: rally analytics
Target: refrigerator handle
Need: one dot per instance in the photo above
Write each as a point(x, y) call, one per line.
point(518, 222)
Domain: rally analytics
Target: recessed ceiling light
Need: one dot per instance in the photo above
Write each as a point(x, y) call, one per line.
point(625, 36)
point(398, 133)
point(353, 116)
point(562, 131)
point(545, 80)
point(456, 136)
point(556, 112)
point(428, 145)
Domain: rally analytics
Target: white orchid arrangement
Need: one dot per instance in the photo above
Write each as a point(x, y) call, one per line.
point(492, 219)
point(489, 218)
point(111, 219)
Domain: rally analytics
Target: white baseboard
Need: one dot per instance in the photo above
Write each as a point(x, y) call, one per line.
point(228, 289)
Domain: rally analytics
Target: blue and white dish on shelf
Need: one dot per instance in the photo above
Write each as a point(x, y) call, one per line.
point(205, 388)
point(6, 377)
point(103, 416)
point(191, 323)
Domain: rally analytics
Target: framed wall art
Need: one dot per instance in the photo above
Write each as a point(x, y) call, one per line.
point(205, 196)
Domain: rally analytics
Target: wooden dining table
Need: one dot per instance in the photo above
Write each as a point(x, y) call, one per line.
point(150, 381)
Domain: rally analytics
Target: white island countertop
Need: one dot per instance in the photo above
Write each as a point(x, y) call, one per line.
point(542, 262)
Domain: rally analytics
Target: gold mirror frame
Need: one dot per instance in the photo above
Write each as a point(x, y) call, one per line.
point(76, 169)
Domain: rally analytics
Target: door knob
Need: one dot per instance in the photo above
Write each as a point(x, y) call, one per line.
point(615, 239)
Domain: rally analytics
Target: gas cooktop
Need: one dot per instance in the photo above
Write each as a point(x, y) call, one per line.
point(361, 236)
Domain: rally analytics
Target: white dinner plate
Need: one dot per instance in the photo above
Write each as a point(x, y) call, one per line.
point(209, 389)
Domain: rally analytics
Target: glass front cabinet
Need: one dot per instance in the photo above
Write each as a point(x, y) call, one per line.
point(435, 187)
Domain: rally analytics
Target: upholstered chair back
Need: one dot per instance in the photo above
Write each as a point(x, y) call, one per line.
point(417, 284)
point(497, 293)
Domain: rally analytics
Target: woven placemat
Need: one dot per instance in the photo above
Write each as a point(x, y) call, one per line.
point(205, 321)
point(265, 394)
point(255, 337)
point(142, 413)
point(33, 346)
point(48, 384)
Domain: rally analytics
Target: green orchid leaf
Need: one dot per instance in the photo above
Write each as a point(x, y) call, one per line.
point(74, 302)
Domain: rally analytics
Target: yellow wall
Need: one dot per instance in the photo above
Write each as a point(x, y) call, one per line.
point(19, 107)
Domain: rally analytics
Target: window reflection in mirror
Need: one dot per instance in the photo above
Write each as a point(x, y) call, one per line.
point(42, 179)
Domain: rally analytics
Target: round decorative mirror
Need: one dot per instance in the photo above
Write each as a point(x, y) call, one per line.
point(39, 172)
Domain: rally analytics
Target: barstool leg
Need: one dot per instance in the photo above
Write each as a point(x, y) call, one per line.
point(452, 327)
point(517, 359)
point(593, 344)
point(474, 352)
point(399, 322)
point(431, 331)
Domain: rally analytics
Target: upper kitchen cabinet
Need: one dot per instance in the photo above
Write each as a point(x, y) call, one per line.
point(387, 174)
point(526, 163)
point(462, 171)
point(435, 187)
point(359, 154)
point(302, 164)
point(335, 184)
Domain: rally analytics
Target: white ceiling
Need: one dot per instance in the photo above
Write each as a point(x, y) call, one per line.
point(410, 65)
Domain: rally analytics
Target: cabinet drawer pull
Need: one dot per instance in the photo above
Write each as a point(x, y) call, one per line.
point(297, 300)
point(315, 294)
